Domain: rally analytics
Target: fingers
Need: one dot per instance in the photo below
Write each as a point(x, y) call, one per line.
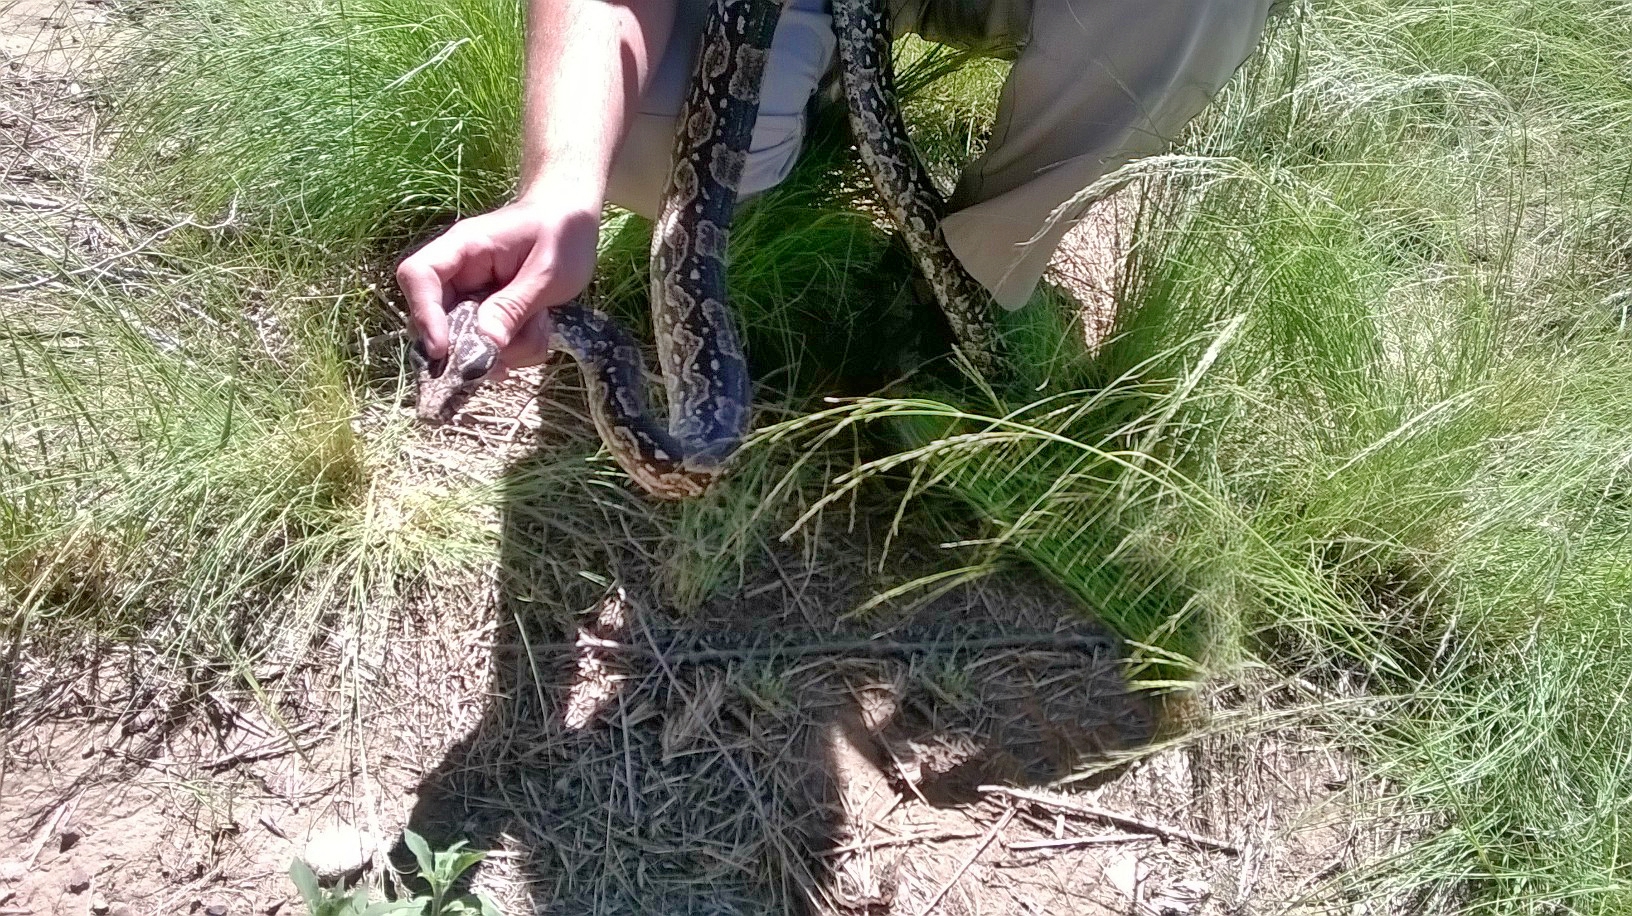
point(503, 314)
point(421, 277)
point(474, 255)
point(533, 257)
point(531, 283)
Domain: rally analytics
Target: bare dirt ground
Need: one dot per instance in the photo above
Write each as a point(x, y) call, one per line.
point(652, 761)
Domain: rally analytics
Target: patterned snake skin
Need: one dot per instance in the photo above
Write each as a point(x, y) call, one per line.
point(868, 78)
point(704, 372)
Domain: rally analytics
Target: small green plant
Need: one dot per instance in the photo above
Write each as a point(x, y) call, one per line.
point(949, 679)
point(438, 869)
point(767, 688)
point(337, 900)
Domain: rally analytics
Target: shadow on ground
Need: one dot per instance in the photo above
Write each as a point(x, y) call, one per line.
point(736, 758)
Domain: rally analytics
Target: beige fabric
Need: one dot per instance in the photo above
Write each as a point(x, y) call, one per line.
point(1095, 84)
point(800, 53)
point(1098, 83)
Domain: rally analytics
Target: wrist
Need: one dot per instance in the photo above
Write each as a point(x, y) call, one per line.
point(563, 195)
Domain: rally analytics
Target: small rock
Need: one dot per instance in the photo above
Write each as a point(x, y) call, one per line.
point(67, 839)
point(121, 909)
point(337, 851)
point(11, 870)
point(216, 909)
point(99, 904)
point(1122, 873)
point(79, 879)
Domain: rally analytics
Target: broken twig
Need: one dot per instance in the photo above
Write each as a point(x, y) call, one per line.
point(1103, 839)
point(1126, 820)
point(869, 647)
point(963, 866)
point(32, 203)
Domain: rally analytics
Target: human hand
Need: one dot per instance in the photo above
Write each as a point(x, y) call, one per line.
point(532, 255)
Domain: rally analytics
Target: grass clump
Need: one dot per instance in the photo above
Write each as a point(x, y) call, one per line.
point(334, 126)
point(167, 493)
point(1390, 457)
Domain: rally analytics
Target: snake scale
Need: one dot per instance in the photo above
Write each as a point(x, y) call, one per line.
point(699, 349)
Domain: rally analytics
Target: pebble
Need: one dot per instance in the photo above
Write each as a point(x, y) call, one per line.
point(79, 879)
point(337, 851)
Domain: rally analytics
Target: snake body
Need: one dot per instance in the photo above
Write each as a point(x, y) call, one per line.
point(867, 76)
point(699, 349)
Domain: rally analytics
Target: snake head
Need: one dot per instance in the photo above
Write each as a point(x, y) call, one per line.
point(443, 385)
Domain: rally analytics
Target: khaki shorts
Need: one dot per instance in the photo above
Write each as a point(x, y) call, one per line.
point(1095, 84)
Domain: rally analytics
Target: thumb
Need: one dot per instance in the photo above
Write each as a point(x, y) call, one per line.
point(502, 315)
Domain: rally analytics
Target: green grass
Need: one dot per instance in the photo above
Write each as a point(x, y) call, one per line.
point(333, 125)
point(1364, 418)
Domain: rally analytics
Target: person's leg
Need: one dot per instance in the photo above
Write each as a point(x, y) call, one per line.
point(800, 54)
point(1098, 83)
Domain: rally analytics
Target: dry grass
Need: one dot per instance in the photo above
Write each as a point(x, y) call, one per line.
point(760, 783)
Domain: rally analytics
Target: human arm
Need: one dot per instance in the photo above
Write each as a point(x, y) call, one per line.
point(587, 63)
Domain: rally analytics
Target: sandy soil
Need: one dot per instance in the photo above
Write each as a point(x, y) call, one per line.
point(47, 35)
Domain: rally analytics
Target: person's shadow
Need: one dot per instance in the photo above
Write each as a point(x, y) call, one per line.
point(639, 758)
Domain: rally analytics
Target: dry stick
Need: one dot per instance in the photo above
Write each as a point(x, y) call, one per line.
point(1102, 839)
point(104, 265)
point(930, 837)
point(985, 842)
point(33, 203)
point(20, 242)
point(281, 748)
point(1074, 807)
point(870, 647)
point(272, 826)
point(53, 821)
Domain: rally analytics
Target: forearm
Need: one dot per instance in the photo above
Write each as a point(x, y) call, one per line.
point(587, 63)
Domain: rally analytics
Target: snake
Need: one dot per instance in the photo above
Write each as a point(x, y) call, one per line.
point(699, 347)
